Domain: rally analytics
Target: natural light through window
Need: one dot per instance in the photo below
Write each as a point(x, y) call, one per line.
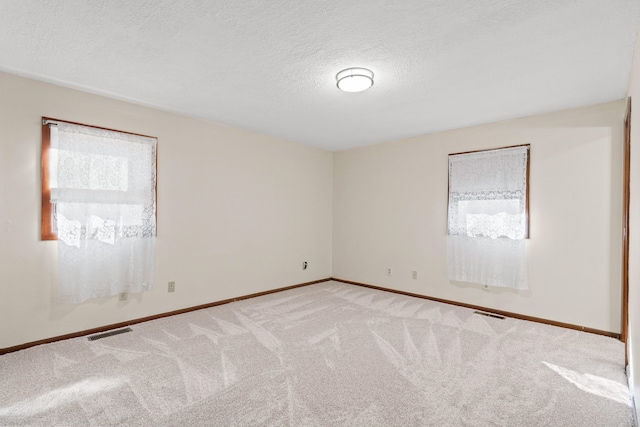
point(99, 203)
point(86, 389)
point(488, 217)
point(594, 384)
point(492, 218)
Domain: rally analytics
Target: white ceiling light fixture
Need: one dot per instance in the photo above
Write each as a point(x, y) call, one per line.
point(354, 79)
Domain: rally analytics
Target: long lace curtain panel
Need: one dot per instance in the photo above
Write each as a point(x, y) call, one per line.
point(103, 186)
point(487, 218)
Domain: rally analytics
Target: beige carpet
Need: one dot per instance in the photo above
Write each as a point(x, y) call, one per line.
point(321, 355)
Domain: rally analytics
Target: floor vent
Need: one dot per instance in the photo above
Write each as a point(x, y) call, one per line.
point(489, 315)
point(108, 334)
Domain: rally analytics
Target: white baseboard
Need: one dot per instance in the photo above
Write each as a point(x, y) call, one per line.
point(634, 411)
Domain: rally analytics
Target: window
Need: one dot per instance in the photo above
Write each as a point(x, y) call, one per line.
point(488, 216)
point(98, 201)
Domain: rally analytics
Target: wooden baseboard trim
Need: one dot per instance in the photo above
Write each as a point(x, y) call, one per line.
point(487, 310)
point(258, 294)
point(149, 318)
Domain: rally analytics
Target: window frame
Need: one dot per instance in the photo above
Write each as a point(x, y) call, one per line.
point(47, 226)
point(528, 167)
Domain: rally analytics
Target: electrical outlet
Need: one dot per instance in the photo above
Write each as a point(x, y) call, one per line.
point(172, 287)
point(123, 296)
point(304, 265)
point(414, 274)
point(388, 271)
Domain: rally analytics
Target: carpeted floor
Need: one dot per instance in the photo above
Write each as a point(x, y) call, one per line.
point(322, 355)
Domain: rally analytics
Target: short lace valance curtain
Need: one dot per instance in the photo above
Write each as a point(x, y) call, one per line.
point(103, 186)
point(488, 217)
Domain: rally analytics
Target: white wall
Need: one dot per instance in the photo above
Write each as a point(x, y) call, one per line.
point(390, 209)
point(237, 212)
point(634, 229)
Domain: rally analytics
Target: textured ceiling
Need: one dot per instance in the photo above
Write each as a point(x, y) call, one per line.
point(270, 66)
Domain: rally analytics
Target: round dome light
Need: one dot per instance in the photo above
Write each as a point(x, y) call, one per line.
point(354, 79)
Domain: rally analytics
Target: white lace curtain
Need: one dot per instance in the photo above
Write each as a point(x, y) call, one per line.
point(103, 188)
point(487, 221)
